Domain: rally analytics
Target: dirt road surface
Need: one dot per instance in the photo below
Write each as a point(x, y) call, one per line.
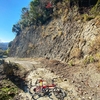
point(78, 81)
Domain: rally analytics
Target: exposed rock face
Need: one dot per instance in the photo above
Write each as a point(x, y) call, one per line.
point(63, 39)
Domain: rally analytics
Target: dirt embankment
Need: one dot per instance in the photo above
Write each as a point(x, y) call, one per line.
point(7, 89)
point(79, 81)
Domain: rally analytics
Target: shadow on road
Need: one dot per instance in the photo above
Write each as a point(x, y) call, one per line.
point(19, 82)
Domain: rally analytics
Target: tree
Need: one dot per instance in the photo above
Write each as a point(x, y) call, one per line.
point(38, 11)
point(16, 28)
point(25, 13)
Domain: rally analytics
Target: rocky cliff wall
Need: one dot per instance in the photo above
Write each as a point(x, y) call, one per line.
point(62, 38)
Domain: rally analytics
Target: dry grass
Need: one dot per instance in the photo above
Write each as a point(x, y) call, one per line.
point(76, 53)
point(28, 51)
point(60, 11)
point(98, 56)
point(30, 45)
point(97, 21)
point(77, 17)
point(98, 66)
point(54, 36)
point(64, 18)
point(60, 33)
point(95, 46)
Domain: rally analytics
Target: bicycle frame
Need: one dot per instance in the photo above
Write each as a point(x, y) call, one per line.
point(42, 90)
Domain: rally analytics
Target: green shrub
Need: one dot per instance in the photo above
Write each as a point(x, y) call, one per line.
point(71, 63)
point(87, 17)
point(8, 92)
point(96, 9)
point(89, 59)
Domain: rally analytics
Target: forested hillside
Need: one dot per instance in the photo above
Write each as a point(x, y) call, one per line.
point(40, 11)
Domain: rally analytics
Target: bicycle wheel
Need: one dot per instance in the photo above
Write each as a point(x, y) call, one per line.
point(45, 91)
point(59, 93)
point(32, 90)
point(35, 96)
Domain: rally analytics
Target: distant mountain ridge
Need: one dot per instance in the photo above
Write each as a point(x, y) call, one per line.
point(4, 45)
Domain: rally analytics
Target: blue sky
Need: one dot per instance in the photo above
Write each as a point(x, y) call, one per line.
point(10, 12)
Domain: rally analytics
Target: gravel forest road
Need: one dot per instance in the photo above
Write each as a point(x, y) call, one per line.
point(80, 82)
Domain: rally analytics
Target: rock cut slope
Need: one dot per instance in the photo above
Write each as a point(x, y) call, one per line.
point(72, 39)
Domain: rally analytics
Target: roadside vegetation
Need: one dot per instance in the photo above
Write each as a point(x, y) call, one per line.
point(3, 53)
point(7, 90)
